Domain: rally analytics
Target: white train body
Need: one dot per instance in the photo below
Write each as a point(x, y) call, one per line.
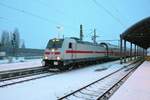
point(64, 52)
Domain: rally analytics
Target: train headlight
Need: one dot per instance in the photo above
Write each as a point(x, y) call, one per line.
point(58, 58)
point(45, 57)
point(53, 50)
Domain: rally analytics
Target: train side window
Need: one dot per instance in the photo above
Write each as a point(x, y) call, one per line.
point(70, 45)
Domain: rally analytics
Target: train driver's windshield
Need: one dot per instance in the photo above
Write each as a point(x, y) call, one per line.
point(54, 43)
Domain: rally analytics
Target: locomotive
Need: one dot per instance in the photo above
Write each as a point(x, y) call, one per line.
point(70, 52)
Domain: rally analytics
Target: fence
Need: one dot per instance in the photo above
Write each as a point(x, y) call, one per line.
point(22, 52)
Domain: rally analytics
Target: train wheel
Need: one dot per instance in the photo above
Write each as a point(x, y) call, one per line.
point(63, 68)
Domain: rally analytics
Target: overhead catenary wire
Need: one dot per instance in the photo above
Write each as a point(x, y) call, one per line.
point(32, 14)
point(26, 12)
point(48, 6)
point(48, 20)
point(117, 11)
point(3, 18)
point(108, 12)
point(10, 20)
point(58, 11)
point(7, 19)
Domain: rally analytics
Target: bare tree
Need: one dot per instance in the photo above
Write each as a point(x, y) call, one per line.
point(5, 39)
point(16, 38)
point(22, 44)
point(11, 40)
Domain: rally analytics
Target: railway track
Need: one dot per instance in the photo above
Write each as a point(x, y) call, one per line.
point(22, 75)
point(26, 72)
point(25, 79)
point(19, 73)
point(103, 88)
point(12, 77)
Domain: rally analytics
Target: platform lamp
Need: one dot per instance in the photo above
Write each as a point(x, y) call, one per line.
point(60, 30)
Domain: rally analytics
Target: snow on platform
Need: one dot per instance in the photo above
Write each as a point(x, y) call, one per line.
point(21, 65)
point(49, 88)
point(137, 87)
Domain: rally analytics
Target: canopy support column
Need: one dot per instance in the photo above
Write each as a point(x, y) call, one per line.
point(134, 51)
point(121, 48)
point(125, 51)
point(131, 51)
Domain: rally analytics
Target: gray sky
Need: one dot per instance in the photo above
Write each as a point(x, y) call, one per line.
point(37, 19)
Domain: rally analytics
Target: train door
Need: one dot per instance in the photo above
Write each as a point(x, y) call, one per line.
point(71, 49)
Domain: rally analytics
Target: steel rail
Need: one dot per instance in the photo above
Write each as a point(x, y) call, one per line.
point(112, 89)
point(20, 73)
point(8, 84)
point(74, 92)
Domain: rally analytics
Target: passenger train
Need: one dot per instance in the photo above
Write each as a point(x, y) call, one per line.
point(70, 52)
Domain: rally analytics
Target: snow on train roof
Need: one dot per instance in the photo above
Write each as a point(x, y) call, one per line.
point(86, 42)
point(83, 42)
point(110, 45)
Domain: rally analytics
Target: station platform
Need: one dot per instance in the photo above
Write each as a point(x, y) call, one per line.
point(137, 86)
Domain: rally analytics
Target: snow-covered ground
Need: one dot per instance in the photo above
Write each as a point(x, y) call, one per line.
point(137, 87)
point(12, 60)
point(18, 59)
point(50, 88)
point(19, 65)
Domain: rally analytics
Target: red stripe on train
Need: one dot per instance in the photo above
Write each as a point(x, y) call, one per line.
point(83, 52)
point(56, 53)
point(79, 51)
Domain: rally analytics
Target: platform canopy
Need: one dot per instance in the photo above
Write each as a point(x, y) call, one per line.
point(139, 33)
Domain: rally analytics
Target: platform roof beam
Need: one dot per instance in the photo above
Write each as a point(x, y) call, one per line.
point(139, 35)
